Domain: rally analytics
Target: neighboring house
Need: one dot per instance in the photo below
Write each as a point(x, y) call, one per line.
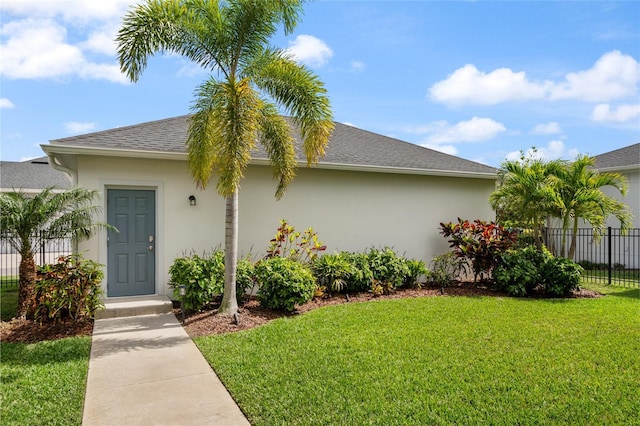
point(625, 161)
point(31, 176)
point(616, 248)
point(368, 191)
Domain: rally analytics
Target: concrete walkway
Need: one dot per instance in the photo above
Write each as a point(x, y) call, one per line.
point(145, 370)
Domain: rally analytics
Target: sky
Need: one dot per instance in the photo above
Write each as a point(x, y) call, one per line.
point(482, 80)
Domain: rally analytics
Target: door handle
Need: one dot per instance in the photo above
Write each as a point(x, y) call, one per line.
point(150, 248)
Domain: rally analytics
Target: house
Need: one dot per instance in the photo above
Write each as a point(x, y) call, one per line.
point(616, 248)
point(368, 191)
point(31, 176)
point(625, 161)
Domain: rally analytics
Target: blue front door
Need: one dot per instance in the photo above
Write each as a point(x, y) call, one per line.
point(131, 251)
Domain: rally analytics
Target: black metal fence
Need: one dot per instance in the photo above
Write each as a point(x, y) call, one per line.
point(610, 258)
point(49, 252)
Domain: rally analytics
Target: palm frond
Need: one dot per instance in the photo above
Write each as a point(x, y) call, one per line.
point(28, 219)
point(222, 133)
point(302, 94)
point(278, 142)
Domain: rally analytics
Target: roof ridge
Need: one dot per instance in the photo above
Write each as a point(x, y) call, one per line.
point(121, 128)
point(349, 145)
point(415, 145)
point(619, 149)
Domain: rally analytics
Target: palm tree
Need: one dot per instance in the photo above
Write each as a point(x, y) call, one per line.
point(29, 221)
point(581, 196)
point(237, 106)
point(526, 194)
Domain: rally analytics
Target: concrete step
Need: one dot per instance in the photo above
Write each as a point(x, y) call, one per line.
point(132, 306)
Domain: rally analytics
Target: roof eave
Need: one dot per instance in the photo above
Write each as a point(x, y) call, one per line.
point(111, 152)
point(50, 149)
point(630, 168)
point(388, 169)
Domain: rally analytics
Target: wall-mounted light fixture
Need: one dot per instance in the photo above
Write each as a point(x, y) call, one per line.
point(192, 200)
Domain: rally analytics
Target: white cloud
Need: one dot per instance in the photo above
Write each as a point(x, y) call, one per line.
point(190, 69)
point(554, 150)
point(5, 103)
point(79, 127)
point(77, 10)
point(309, 50)
point(357, 66)
point(102, 42)
point(551, 128)
point(623, 113)
point(447, 149)
point(468, 85)
point(475, 130)
point(38, 48)
point(613, 76)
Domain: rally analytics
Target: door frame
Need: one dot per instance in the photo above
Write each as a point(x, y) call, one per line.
point(157, 187)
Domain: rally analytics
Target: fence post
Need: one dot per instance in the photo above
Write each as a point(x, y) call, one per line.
point(609, 255)
point(43, 249)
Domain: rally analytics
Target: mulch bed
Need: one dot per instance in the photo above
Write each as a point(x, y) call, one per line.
point(251, 315)
point(29, 331)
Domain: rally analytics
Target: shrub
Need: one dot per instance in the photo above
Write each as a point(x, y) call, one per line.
point(388, 269)
point(244, 279)
point(446, 269)
point(284, 283)
point(69, 288)
point(289, 243)
point(560, 276)
point(480, 242)
point(416, 270)
point(203, 278)
point(517, 271)
point(361, 276)
point(332, 271)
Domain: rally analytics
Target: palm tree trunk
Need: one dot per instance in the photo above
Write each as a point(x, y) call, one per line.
point(565, 226)
point(27, 271)
point(572, 248)
point(229, 304)
point(537, 239)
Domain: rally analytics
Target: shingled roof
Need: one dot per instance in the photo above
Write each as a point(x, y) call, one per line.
point(31, 175)
point(623, 158)
point(349, 147)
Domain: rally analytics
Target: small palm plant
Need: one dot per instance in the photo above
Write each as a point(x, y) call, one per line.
point(27, 221)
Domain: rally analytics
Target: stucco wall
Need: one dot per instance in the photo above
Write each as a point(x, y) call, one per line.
point(349, 210)
point(632, 199)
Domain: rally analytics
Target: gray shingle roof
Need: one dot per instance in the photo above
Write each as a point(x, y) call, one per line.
point(348, 146)
point(624, 157)
point(31, 174)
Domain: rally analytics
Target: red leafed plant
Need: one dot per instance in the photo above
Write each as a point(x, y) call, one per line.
point(479, 242)
point(289, 243)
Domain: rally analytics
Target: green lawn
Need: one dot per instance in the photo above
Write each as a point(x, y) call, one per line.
point(8, 302)
point(440, 360)
point(44, 383)
point(41, 383)
point(628, 278)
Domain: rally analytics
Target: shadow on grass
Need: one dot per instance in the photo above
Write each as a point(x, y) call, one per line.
point(8, 302)
point(633, 293)
point(20, 357)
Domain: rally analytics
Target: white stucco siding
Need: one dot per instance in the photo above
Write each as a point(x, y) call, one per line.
point(349, 210)
point(355, 211)
point(631, 199)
